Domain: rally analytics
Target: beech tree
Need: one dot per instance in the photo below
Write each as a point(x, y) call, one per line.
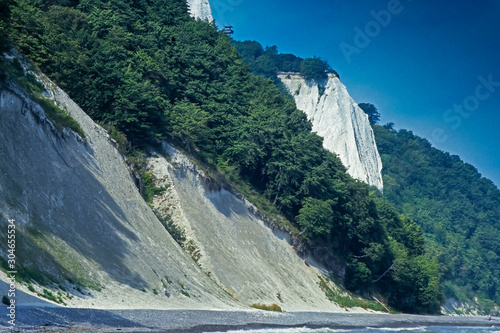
point(371, 111)
point(314, 69)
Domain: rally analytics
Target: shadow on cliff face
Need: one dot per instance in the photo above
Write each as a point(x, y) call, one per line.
point(69, 224)
point(221, 199)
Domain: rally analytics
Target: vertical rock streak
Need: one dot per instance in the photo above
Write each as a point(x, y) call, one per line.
point(200, 9)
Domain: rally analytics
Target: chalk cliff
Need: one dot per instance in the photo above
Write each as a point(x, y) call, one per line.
point(200, 9)
point(84, 230)
point(80, 220)
point(343, 125)
point(247, 255)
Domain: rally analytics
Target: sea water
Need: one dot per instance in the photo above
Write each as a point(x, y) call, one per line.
point(426, 329)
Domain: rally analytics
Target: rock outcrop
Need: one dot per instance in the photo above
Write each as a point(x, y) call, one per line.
point(233, 244)
point(200, 9)
point(343, 125)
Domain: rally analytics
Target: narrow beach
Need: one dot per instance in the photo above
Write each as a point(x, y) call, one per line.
point(56, 319)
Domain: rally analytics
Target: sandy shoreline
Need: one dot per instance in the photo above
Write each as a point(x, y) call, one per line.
point(55, 319)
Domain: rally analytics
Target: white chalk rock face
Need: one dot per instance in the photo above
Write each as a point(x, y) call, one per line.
point(245, 253)
point(81, 216)
point(200, 9)
point(343, 125)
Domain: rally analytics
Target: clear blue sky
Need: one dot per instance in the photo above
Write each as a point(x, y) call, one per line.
point(419, 62)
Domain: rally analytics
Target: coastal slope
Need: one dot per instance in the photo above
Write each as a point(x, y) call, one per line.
point(248, 255)
point(81, 222)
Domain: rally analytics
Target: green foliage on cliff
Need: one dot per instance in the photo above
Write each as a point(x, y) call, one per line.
point(371, 111)
point(151, 72)
point(314, 69)
point(457, 209)
point(177, 233)
point(60, 118)
point(13, 69)
point(268, 62)
point(5, 10)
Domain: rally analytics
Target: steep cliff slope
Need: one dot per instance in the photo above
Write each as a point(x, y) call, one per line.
point(82, 224)
point(79, 216)
point(343, 125)
point(200, 9)
point(238, 250)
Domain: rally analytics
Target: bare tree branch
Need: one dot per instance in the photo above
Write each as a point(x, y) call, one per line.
point(387, 271)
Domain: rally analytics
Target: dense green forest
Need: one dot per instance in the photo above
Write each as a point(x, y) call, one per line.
point(268, 62)
point(149, 72)
point(457, 209)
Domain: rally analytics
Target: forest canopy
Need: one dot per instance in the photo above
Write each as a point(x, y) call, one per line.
point(268, 62)
point(457, 209)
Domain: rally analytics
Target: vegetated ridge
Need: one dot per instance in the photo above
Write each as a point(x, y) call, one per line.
point(457, 209)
